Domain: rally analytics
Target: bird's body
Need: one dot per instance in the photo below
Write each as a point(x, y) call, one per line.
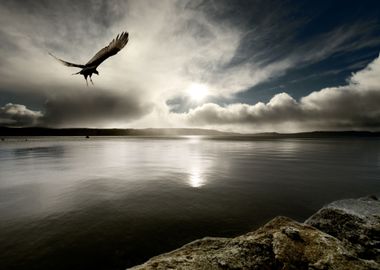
point(91, 66)
point(87, 72)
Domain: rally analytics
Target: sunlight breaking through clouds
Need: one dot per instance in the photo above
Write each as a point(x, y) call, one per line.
point(352, 106)
point(197, 92)
point(178, 50)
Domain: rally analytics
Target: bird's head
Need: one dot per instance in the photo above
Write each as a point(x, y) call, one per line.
point(96, 72)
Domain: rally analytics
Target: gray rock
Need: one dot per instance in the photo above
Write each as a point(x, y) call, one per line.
point(356, 222)
point(280, 244)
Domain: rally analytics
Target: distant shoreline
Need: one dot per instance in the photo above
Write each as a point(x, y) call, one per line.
point(36, 131)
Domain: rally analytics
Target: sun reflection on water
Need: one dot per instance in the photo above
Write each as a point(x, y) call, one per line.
point(196, 179)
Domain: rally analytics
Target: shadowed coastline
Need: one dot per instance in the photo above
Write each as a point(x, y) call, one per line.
point(40, 131)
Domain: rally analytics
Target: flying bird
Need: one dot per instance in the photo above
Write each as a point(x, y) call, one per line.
point(90, 67)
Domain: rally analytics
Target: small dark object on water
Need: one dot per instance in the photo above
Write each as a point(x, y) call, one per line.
point(87, 137)
point(2, 139)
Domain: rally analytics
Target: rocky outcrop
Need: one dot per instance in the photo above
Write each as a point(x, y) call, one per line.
point(343, 235)
point(356, 222)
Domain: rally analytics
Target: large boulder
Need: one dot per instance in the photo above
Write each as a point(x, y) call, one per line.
point(280, 244)
point(356, 222)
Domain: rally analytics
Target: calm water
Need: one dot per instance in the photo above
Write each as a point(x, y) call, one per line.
point(109, 203)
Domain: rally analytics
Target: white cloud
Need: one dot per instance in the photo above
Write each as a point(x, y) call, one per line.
point(18, 115)
point(354, 106)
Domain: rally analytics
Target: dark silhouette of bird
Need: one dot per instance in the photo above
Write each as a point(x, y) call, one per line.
point(90, 67)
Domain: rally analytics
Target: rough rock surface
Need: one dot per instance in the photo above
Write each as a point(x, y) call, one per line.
point(356, 222)
point(347, 238)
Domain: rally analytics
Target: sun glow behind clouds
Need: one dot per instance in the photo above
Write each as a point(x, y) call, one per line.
point(197, 92)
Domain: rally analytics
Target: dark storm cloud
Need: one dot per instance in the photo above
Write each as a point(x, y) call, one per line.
point(75, 29)
point(93, 108)
point(79, 108)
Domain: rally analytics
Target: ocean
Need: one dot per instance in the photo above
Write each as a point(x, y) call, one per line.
point(113, 202)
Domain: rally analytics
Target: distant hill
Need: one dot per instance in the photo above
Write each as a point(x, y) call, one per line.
point(319, 134)
point(36, 131)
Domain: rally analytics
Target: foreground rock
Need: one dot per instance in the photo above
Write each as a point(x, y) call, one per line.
point(356, 222)
point(286, 244)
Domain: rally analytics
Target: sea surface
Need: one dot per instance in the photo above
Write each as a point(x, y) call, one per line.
point(113, 202)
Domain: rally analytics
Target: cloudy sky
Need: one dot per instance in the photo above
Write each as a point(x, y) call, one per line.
point(246, 66)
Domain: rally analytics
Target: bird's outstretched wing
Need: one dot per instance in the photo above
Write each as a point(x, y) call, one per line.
point(113, 48)
point(67, 64)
